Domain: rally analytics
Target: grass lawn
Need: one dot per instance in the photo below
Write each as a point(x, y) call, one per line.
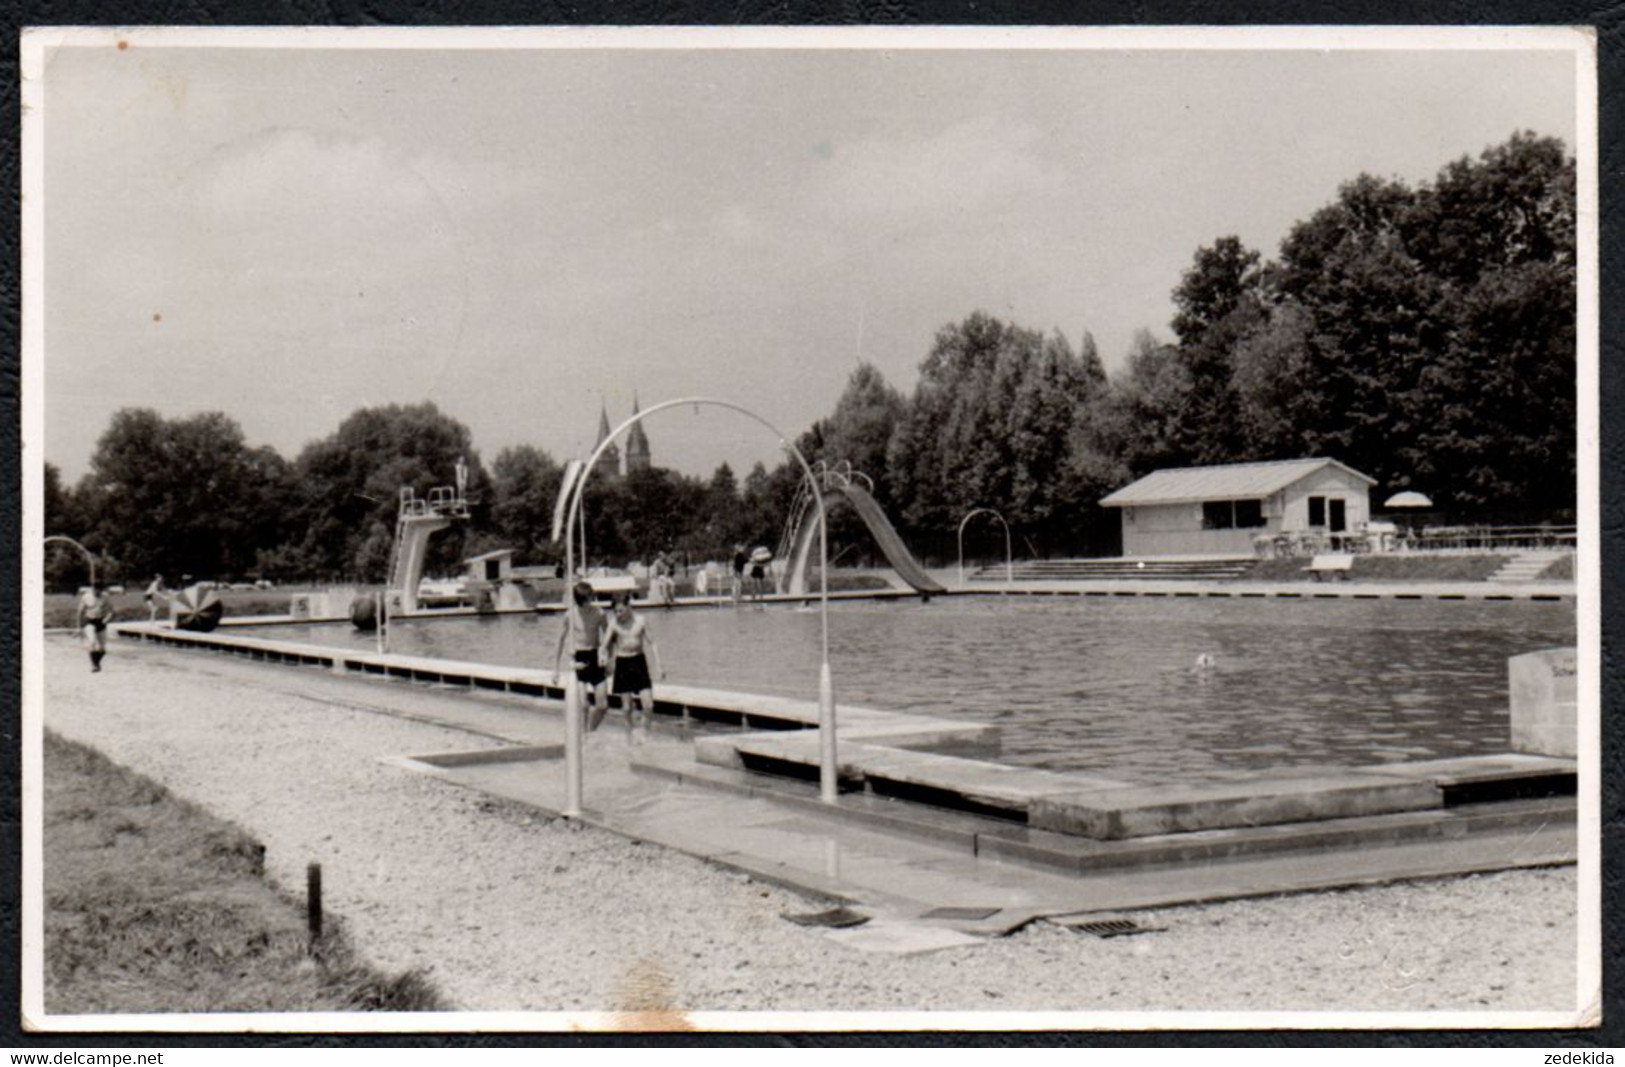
point(152, 905)
point(1560, 570)
point(1386, 568)
point(129, 607)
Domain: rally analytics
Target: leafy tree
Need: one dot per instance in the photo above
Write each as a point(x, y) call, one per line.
point(1222, 279)
point(65, 567)
point(524, 489)
point(1500, 400)
point(1373, 326)
point(1267, 381)
point(1512, 207)
point(1142, 423)
point(1218, 303)
point(1439, 348)
point(182, 496)
point(720, 527)
point(350, 483)
point(860, 429)
point(990, 425)
point(656, 511)
point(765, 502)
point(61, 516)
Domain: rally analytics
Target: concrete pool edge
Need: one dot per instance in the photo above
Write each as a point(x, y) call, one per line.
point(1012, 842)
point(874, 758)
point(1117, 587)
point(1102, 809)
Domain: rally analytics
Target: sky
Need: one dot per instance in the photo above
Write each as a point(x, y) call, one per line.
point(526, 235)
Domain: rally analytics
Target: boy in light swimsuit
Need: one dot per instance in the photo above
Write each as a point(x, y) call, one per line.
point(629, 645)
point(584, 626)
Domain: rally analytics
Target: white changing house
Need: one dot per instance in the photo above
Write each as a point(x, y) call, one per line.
point(1223, 510)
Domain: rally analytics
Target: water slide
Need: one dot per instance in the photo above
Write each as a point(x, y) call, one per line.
point(897, 554)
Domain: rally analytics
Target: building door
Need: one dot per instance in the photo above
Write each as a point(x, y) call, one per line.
point(1339, 518)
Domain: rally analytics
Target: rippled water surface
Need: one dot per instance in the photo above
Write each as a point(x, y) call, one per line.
point(1108, 685)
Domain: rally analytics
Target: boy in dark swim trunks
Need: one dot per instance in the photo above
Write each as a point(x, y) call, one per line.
point(584, 625)
point(627, 639)
point(90, 616)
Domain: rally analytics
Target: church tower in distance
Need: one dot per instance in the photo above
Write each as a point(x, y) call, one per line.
point(637, 444)
point(610, 462)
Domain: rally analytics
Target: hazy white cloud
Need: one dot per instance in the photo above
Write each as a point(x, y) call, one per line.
point(981, 167)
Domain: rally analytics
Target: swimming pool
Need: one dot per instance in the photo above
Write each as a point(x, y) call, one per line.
point(1104, 685)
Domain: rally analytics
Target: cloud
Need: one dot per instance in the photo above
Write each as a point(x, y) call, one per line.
point(981, 166)
point(301, 173)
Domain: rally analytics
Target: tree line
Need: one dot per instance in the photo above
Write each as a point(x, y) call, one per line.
point(1423, 335)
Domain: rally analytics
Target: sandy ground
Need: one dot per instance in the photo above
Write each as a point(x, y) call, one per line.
point(508, 911)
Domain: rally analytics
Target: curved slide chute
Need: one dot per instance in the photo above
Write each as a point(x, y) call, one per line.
point(897, 554)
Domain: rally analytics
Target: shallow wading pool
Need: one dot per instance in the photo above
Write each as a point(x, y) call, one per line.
point(1101, 685)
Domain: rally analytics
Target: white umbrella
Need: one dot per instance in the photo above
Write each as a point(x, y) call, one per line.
point(1410, 498)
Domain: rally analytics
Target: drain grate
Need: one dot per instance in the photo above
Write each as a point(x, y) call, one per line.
point(960, 913)
point(1115, 926)
point(834, 917)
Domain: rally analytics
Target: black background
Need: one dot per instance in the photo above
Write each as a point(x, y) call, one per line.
point(1610, 24)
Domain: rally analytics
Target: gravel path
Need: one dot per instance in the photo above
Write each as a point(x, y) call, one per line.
point(508, 911)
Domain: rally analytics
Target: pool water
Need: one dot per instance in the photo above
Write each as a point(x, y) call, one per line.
point(1104, 685)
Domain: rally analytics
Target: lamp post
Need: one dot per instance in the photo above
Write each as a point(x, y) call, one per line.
point(1009, 566)
point(826, 686)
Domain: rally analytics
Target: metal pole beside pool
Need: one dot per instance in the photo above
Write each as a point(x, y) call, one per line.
point(1009, 560)
point(826, 686)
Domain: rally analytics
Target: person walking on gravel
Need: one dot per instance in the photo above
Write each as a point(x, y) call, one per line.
point(584, 626)
point(628, 646)
point(90, 617)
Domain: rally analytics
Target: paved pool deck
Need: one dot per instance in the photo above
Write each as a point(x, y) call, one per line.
point(920, 831)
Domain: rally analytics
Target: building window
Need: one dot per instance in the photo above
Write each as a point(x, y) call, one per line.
point(1232, 514)
point(1317, 511)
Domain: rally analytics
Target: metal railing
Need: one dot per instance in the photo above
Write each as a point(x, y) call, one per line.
point(1434, 538)
point(1479, 538)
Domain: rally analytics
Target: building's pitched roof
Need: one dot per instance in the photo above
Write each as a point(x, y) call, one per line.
point(1231, 481)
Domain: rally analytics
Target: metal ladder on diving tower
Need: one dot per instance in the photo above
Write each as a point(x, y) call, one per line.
point(416, 520)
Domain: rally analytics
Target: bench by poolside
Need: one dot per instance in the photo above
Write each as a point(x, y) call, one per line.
point(1331, 565)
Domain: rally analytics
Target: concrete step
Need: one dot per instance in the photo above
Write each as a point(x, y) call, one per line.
point(1032, 570)
point(1525, 567)
point(1004, 840)
point(1100, 808)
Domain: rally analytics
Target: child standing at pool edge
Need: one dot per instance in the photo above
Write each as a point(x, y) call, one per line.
point(629, 645)
point(584, 627)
